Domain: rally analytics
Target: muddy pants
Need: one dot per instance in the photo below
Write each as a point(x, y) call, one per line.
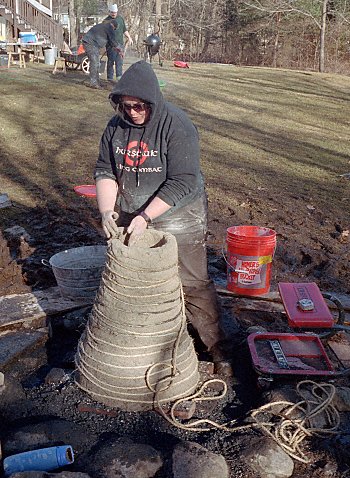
point(93, 54)
point(189, 226)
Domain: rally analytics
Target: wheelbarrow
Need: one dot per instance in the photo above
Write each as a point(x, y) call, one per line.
point(78, 60)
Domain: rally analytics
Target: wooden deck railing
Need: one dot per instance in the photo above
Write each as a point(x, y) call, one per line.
point(37, 20)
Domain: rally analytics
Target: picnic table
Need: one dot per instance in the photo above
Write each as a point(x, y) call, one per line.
point(33, 48)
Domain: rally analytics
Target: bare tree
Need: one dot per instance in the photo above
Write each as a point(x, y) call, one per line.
point(72, 22)
point(323, 34)
point(315, 11)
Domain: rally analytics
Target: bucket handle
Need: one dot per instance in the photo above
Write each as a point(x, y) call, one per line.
point(224, 255)
point(45, 263)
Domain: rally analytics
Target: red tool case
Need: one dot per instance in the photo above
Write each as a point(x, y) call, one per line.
point(305, 305)
point(289, 354)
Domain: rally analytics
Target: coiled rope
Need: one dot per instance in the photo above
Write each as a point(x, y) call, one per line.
point(288, 426)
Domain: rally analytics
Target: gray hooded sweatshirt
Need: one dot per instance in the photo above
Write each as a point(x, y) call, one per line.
point(159, 158)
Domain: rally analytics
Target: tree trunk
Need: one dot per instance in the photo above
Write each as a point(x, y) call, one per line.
point(78, 11)
point(275, 45)
point(72, 24)
point(322, 35)
point(157, 26)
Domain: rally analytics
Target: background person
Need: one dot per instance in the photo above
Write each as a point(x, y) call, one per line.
point(149, 162)
point(99, 36)
point(115, 60)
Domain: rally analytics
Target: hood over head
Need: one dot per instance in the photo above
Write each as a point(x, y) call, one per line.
point(139, 81)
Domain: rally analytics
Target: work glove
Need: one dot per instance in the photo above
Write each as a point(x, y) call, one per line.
point(137, 227)
point(109, 223)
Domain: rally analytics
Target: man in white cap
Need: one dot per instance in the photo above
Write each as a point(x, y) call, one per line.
point(114, 58)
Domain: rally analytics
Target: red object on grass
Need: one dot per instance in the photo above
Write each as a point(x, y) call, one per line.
point(181, 64)
point(88, 190)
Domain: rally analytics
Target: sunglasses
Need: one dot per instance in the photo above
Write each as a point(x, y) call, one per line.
point(138, 107)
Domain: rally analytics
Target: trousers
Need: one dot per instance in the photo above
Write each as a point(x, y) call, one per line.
point(189, 226)
point(93, 54)
point(114, 60)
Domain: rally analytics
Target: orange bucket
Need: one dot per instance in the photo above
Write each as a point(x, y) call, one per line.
point(250, 250)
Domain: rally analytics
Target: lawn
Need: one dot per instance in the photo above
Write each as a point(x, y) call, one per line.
point(274, 146)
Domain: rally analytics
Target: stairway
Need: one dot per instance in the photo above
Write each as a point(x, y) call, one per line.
point(24, 16)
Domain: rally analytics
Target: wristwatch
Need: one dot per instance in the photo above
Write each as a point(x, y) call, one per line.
point(146, 217)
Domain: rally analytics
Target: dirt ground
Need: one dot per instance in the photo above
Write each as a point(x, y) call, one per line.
point(311, 247)
point(54, 230)
point(311, 218)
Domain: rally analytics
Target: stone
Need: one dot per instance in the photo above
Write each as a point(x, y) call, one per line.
point(285, 393)
point(191, 460)
point(122, 458)
point(341, 399)
point(330, 470)
point(342, 351)
point(23, 352)
point(185, 410)
point(4, 201)
point(206, 367)
point(56, 375)
point(267, 459)
point(31, 310)
point(13, 402)
point(18, 232)
point(46, 433)
point(256, 329)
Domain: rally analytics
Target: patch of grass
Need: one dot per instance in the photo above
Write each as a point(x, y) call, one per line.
point(271, 139)
point(254, 123)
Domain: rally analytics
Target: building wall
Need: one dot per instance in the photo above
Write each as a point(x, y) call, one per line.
point(2, 28)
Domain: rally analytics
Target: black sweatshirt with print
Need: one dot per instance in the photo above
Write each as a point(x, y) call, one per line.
point(159, 158)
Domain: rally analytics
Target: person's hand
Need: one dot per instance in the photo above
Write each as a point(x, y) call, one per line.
point(120, 51)
point(137, 227)
point(109, 224)
point(131, 41)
